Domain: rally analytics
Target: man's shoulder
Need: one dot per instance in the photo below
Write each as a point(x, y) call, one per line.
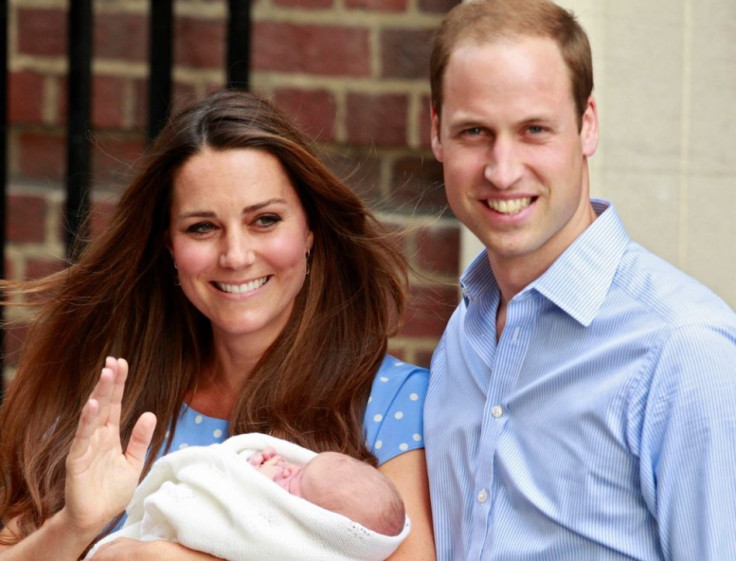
point(668, 293)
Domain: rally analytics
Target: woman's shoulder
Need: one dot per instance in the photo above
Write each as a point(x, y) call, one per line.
point(394, 373)
point(394, 417)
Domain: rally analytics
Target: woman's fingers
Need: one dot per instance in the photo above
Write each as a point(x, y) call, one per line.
point(103, 391)
point(140, 439)
point(85, 428)
point(121, 374)
point(104, 404)
point(93, 413)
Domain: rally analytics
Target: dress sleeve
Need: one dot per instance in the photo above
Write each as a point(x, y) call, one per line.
point(394, 421)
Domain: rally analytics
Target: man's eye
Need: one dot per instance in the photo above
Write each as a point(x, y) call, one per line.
point(474, 131)
point(535, 129)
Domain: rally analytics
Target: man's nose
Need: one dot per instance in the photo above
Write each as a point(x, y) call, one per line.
point(503, 166)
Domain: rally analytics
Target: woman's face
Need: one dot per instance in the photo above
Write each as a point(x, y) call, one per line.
point(239, 238)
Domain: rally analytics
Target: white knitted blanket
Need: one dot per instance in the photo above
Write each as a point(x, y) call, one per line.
point(210, 499)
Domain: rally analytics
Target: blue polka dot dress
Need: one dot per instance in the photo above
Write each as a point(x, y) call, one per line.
point(393, 420)
point(394, 416)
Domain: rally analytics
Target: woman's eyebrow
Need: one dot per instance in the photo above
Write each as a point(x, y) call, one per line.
point(259, 206)
point(246, 210)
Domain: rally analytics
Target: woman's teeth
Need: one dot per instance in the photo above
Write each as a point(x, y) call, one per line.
point(242, 288)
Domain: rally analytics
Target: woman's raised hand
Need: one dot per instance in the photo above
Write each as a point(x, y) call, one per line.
point(100, 478)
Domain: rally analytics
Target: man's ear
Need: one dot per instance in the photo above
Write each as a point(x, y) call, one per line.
point(589, 128)
point(435, 132)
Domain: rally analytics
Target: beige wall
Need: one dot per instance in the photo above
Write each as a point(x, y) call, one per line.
point(665, 75)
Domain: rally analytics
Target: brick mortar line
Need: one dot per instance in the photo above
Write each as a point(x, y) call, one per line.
point(202, 10)
point(365, 84)
point(43, 64)
point(338, 16)
point(343, 17)
point(39, 4)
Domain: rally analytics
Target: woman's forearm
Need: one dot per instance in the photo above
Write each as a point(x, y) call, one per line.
point(409, 473)
point(55, 540)
point(159, 550)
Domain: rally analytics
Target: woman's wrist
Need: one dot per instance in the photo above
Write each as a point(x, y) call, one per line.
point(55, 540)
point(68, 538)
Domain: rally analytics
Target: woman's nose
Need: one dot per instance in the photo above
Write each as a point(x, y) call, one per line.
point(237, 252)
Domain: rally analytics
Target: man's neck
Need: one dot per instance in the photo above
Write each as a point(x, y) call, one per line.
point(515, 273)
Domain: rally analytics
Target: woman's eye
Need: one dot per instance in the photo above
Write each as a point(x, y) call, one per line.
point(200, 228)
point(267, 220)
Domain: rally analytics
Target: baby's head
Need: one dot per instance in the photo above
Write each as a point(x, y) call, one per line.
point(354, 489)
point(344, 485)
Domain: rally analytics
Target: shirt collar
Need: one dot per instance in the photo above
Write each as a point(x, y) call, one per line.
point(478, 278)
point(579, 280)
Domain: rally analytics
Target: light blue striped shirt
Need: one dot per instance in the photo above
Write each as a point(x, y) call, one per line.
point(603, 423)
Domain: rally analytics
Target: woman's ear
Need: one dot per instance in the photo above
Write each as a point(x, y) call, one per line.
point(310, 240)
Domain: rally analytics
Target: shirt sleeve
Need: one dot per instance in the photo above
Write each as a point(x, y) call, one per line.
point(394, 421)
point(688, 452)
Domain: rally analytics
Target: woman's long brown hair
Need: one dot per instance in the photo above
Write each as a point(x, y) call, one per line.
point(120, 299)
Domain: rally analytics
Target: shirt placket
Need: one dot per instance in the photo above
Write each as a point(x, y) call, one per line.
point(509, 358)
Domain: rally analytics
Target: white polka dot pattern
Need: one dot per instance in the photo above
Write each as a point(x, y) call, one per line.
point(394, 416)
point(393, 419)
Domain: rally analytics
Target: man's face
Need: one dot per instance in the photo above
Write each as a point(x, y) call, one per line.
point(514, 155)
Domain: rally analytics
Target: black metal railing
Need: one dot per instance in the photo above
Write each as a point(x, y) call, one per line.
point(160, 62)
point(78, 125)
point(80, 26)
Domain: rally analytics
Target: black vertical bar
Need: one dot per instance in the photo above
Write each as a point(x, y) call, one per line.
point(78, 142)
point(3, 170)
point(159, 58)
point(238, 44)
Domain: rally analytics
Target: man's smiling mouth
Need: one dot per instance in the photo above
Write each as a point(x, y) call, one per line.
point(511, 206)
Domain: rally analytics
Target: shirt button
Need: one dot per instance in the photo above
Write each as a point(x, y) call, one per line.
point(482, 496)
point(497, 411)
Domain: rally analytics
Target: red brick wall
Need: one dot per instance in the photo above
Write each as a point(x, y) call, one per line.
point(352, 73)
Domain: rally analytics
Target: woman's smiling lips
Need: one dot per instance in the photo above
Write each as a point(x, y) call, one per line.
point(249, 286)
